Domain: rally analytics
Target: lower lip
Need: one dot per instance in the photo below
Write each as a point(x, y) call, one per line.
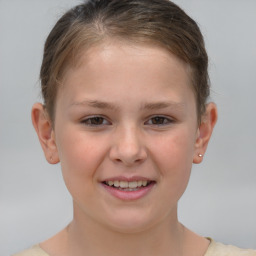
point(129, 195)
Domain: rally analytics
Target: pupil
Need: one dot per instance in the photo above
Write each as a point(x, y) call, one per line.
point(157, 120)
point(96, 120)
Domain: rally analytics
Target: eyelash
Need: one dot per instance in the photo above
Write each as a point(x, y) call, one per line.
point(164, 120)
point(94, 121)
point(91, 121)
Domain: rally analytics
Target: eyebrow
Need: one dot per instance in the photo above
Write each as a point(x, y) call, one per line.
point(147, 105)
point(162, 105)
point(94, 104)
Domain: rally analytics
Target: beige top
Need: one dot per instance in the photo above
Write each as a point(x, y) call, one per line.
point(214, 249)
point(219, 249)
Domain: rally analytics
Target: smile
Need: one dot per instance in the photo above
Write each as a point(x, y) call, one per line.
point(127, 185)
point(128, 190)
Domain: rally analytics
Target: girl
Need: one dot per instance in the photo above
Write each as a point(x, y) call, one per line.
point(125, 88)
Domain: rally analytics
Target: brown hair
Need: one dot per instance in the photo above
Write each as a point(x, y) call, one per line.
point(160, 22)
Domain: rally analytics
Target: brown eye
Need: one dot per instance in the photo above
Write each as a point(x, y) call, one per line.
point(95, 121)
point(159, 120)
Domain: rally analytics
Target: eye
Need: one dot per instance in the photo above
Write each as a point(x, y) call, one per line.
point(159, 120)
point(95, 121)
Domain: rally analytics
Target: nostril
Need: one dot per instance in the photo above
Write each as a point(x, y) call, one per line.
point(131, 159)
point(128, 152)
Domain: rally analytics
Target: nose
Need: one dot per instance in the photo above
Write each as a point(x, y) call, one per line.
point(128, 147)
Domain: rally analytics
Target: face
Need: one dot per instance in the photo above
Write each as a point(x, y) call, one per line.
point(125, 131)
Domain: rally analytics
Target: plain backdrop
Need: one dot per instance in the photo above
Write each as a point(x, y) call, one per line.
point(220, 201)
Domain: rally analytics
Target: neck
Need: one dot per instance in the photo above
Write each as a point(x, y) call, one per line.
point(84, 236)
point(164, 238)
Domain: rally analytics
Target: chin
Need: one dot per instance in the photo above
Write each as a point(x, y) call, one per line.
point(130, 222)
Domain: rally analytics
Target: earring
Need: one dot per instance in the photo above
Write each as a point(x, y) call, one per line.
point(200, 155)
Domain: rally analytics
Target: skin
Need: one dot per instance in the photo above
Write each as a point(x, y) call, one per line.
point(140, 100)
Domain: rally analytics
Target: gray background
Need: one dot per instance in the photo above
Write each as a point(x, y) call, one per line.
point(221, 198)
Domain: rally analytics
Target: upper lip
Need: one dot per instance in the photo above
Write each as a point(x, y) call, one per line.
point(129, 179)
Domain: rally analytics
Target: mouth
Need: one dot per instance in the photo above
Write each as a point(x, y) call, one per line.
point(128, 185)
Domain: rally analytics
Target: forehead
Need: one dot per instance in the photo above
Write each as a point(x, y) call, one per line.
point(146, 55)
point(122, 72)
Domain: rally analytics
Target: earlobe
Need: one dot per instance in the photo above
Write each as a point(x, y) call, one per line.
point(45, 132)
point(204, 132)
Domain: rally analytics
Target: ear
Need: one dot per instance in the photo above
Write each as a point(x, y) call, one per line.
point(45, 132)
point(204, 132)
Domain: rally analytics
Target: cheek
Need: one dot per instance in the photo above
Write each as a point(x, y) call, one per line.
point(80, 156)
point(76, 149)
point(174, 157)
point(175, 149)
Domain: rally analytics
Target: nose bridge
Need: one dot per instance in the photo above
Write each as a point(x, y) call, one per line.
point(128, 146)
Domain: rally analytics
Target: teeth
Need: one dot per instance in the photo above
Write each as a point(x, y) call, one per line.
point(144, 183)
point(123, 184)
point(126, 184)
point(116, 183)
point(133, 184)
point(111, 183)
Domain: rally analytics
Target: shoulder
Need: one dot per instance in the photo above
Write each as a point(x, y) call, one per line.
point(33, 251)
point(219, 249)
